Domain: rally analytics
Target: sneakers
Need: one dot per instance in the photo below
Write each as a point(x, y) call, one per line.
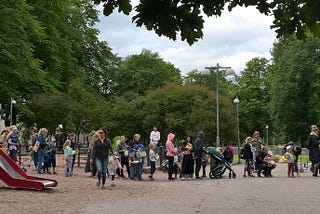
point(103, 187)
point(113, 185)
point(98, 184)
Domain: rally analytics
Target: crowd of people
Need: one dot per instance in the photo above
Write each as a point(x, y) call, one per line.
point(127, 161)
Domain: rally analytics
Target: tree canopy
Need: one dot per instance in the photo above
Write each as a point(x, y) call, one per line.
point(185, 17)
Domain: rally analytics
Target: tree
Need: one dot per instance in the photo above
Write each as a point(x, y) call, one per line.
point(181, 109)
point(295, 75)
point(171, 17)
point(141, 72)
point(252, 91)
point(20, 70)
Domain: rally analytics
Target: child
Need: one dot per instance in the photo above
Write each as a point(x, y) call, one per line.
point(296, 153)
point(290, 159)
point(204, 163)
point(46, 160)
point(133, 163)
point(68, 154)
point(52, 156)
point(113, 165)
point(140, 155)
point(152, 159)
point(30, 156)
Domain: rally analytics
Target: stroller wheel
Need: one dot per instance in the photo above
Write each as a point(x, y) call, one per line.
point(234, 175)
point(230, 174)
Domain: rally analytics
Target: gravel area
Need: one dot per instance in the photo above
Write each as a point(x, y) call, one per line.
point(241, 195)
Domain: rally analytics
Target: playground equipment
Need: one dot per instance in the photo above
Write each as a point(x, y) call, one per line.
point(12, 175)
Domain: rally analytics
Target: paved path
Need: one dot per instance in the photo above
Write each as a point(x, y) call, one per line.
point(242, 195)
point(226, 196)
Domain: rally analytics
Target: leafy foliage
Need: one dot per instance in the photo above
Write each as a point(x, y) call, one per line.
point(184, 17)
point(294, 89)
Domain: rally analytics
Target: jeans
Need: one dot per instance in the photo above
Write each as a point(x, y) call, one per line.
point(40, 159)
point(132, 172)
point(139, 171)
point(68, 169)
point(101, 164)
point(13, 154)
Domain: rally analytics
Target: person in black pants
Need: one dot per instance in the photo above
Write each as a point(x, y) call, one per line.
point(123, 150)
point(198, 152)
point(171, 152)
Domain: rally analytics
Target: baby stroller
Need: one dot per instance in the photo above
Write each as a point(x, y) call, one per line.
point(218, 165)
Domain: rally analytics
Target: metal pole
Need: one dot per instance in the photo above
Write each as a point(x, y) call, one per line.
point(10, 111)
point(238, 132)
point(218, 137)
point(267, 127)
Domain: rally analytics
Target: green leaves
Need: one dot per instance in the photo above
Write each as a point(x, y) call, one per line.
point(171, 18)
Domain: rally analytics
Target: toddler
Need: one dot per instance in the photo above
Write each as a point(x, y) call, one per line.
point(113, 165)
point(152, 159)
point(52, 156)
point(68, 154)
point(290, 159)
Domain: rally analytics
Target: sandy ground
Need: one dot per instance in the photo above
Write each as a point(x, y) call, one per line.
point(241, 195)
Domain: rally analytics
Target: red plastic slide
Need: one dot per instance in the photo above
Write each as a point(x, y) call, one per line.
point(12, 175)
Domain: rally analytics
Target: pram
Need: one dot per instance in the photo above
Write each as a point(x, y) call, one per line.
point(218, 165)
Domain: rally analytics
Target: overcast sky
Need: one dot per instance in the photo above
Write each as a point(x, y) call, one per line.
point(230, 40)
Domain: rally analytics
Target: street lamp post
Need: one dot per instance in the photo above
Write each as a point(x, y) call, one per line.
point(236, 101)
point(217, 68)
point(267, 135)
point(12, 101)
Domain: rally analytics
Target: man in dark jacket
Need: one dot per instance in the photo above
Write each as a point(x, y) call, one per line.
point(314, 150)
point(198, 152)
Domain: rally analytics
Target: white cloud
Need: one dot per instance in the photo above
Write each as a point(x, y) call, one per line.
point(230, 40)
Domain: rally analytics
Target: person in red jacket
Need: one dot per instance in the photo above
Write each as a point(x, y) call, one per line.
point(171, 152)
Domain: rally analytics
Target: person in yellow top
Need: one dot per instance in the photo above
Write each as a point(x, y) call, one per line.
point(187, 159)
point(3, 140)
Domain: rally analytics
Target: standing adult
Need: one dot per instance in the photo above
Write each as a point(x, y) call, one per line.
point(171, 152)
point(155, 136)
point(34, 140)
point(91, 167)
point(41, 150)
point(58, 137)
point(248, 156)
point(314, 150)
point(74, 146)
point(3, 140)
point(100, 153)
point(198, 152)
point(123, 150)
point(256, 142)
point(13, 143)
point(187, 160)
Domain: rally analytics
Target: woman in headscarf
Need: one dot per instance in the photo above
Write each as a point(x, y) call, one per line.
point(314, 150)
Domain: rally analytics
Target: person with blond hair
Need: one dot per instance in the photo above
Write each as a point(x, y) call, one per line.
point(13, 142)
point(41, 150)
point(314, 150)
point(248, 156)
point(68, 154)
point(100, 154)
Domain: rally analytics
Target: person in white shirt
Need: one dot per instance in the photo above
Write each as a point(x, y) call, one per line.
point(155, 136)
